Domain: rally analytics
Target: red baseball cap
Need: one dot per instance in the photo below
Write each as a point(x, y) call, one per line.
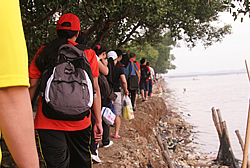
point(70, 18)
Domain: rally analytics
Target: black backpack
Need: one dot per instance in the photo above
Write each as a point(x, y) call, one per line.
point(144, 72)
point(106, 90)
point(67, 85)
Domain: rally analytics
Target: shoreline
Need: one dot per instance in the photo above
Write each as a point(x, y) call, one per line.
point(154, 117)
point(139, 146)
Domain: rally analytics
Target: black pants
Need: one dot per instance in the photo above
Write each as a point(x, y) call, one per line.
point(65, 149)
point(133, 94)
point(93, 146)
point(105, 135)
point(150, 87)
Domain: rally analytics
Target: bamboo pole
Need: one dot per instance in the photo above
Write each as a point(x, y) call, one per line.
point(246, 146)
point(216, 123)
point(241, 144)
point(220, 119)
point(166, 155)
point(224, 125)
point(158, 137)
point(165, 152)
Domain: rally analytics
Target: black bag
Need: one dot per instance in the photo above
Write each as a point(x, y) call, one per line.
point(132, 79)
point(67, 86)
point(144, 72)
point(107, 93)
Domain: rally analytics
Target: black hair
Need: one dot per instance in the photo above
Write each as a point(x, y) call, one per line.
point(118, 52)
point(99, 49)
point(125, 59)
point(132, 55)
point(142, 61)
point(49, 52)
point(82, 39)
point(111, 62)
point(147, 63)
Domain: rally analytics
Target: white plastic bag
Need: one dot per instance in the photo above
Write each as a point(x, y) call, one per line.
point(108, 115)
point(128, 112)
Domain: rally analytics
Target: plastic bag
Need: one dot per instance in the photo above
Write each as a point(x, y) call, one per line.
point(128, 112)
point(108, 115)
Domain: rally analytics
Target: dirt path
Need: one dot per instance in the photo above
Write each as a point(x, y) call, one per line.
point(137, 146)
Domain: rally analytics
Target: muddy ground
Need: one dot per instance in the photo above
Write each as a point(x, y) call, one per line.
point(138, 146)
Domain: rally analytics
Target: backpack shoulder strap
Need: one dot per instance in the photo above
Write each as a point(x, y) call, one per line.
point(136, 71)
point(130, 68)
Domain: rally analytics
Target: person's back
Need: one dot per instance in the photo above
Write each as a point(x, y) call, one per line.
point(65, 143)
point(118, 80)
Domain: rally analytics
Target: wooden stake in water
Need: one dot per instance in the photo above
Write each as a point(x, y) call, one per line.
point(246, 146)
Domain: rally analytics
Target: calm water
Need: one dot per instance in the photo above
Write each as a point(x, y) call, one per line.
point(229, 93)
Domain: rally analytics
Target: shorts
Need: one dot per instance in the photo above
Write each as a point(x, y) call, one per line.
point(118, 104)
point(144, 85)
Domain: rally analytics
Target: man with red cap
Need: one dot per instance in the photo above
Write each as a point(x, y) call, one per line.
point(65, 143)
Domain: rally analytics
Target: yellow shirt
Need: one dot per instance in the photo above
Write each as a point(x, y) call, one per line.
point(13, 51)
point(13, 55)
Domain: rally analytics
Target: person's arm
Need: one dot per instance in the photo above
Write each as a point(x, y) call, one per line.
point(97, 110)
point(33, 87)
point(154, 78)
point(16, 123)
point(103, 68)
point(124, 84)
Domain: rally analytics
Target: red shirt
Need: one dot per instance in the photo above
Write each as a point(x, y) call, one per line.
point(137, 63)
point(42, 122)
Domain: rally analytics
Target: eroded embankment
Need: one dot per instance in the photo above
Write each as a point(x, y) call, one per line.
point(138, 146)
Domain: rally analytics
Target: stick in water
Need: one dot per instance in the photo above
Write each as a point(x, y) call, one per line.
point(246, 146)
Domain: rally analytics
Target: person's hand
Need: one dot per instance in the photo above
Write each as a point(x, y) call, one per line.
point(105, 62)
point(98, 132)
point(126, 92)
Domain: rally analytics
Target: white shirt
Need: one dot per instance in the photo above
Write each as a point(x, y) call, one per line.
point(152, 71)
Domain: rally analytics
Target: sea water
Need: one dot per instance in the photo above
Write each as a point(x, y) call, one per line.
point(194, 97)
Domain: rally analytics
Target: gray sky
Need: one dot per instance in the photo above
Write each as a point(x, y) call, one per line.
point(230, 54)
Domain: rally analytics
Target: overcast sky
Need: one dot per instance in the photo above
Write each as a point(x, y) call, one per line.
point(230, 54)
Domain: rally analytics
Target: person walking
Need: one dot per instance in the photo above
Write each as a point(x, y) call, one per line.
point(118, 80)
point(144, 81)
point(65, 143)
point(151, 79)
point(101, 53)
point(131, 71)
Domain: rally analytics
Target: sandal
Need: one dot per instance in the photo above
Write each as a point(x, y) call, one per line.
point(117, 137)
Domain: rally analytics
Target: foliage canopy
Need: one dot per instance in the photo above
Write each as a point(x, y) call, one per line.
point(126, 22)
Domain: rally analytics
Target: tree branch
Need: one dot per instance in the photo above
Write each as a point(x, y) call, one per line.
point(127, 38)
point(47, 16)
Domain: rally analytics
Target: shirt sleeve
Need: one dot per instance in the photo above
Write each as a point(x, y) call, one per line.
point(91, 56)
point(14, 56)
point(138, 65)
point(34, 72)
point(122, 70)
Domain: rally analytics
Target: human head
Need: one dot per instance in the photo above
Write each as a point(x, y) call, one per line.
point(72, 20)
point(143, 61)
point(100, 49)
point(112, 54)
point(82, 39)
point(119, 54)
point(147, 64)
point(125, 59)
point(68, 25)
point(132, 55)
